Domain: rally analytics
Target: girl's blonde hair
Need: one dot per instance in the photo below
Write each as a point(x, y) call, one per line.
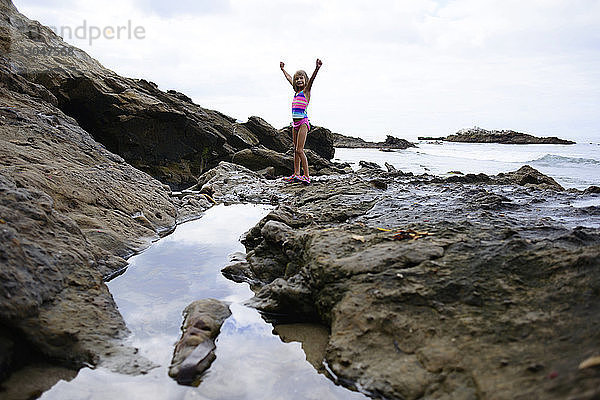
point(303, 73)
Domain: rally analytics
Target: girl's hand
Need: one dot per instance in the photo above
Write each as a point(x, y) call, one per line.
point(319, 63)
point(281, 65)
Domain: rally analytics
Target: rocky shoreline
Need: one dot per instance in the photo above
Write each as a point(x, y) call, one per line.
point(71, 212)
point(465, 287)
point(434, 288)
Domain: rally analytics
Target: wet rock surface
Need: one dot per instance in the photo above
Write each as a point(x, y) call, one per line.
point(479, 135)
point(195, 351)
point(71, 212)
point(433, 288)
point(466, 287)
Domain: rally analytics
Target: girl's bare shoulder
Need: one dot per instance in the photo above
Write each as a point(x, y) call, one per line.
point(307, 94)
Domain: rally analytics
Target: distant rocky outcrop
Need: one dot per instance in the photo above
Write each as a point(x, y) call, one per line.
point(431, 138)
point(390, 142)
point(479, 135)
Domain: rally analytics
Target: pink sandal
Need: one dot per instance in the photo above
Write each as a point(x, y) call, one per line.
point(304, 179)
point(292, 178)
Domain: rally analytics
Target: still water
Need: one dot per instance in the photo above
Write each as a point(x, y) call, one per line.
point(252, 362)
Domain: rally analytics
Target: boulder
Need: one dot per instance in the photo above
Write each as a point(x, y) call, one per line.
point(369, 165)
point(396, 143)
point(528, 176)
point(259, 158)
point(390, 167)
point(195, 350)
point(268, 136)
point(319, 140)
point(592, 190)
point(234, 183)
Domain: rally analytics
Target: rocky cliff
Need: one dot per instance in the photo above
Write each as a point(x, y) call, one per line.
point(71, 211)
point(162, 133)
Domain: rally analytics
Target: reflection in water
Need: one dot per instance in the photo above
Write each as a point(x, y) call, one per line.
point(314, 339)
point(251, 362)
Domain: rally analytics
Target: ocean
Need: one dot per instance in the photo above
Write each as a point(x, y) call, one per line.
point(573, 166)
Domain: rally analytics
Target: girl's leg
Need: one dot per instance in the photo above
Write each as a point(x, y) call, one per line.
point(296, 158)
point(299, 150)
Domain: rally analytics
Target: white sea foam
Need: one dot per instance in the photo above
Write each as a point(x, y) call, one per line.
point(573, 166)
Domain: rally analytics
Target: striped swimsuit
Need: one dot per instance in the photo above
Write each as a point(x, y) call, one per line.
point(299, 114)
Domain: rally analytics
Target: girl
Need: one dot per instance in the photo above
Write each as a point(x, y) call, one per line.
point(300, 124)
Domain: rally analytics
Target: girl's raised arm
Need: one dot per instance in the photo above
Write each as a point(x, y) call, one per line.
point(314, 75)
point(287, 76)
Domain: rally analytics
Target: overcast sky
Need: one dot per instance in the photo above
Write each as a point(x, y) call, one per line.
point(404, 67)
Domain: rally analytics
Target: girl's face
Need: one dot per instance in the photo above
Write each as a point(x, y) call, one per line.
point(299, 80)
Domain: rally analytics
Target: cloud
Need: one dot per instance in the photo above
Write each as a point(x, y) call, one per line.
point(171, 9)
point(410, 67)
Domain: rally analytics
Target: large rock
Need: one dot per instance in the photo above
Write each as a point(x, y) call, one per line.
point(320, 140)
point(428, 293)
point(259, 158)
point(195, 351)
point(276, 140)
point(234, 183)
point(524, 176)
point(71, 212)
point(527, 175)
point(479, 135)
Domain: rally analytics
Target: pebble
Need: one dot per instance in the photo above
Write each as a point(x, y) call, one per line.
point(590, 362)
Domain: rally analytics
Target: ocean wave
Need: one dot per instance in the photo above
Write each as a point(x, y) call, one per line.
point(553, 160)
